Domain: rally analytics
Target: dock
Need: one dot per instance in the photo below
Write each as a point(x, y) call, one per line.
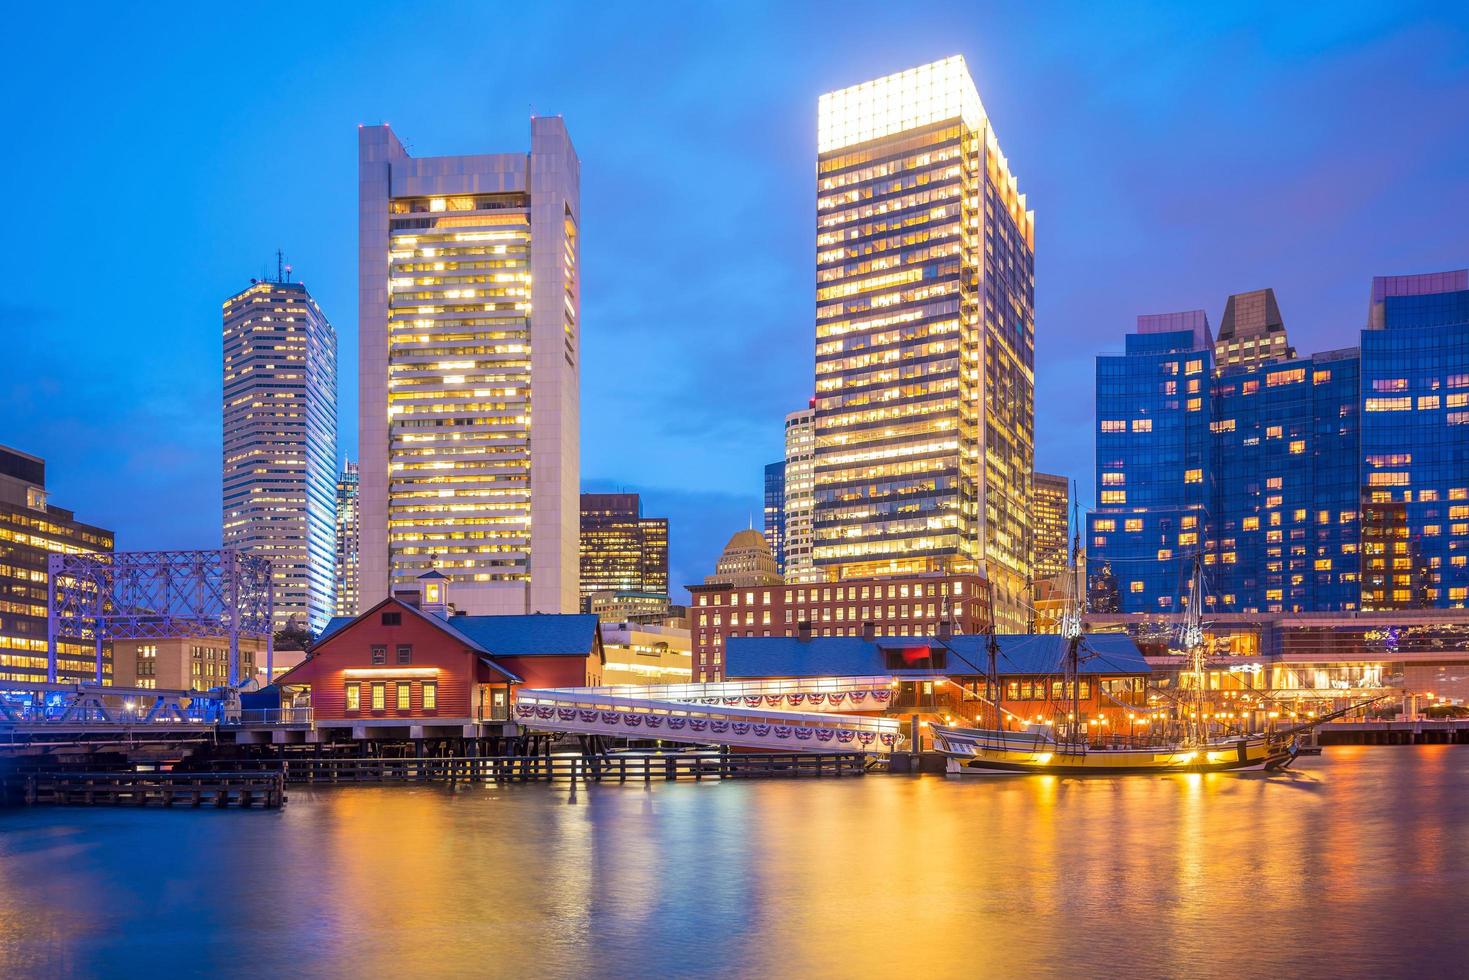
point(265, 790)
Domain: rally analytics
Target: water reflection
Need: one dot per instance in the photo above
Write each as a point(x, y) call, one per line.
point(1354, 866)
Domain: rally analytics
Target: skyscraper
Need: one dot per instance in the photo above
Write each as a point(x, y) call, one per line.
point(469, 320)
point(1415, 442)
point(1050, 519)
point(1334, 482)
point(775, 511)
point(925, 337)
point(797, 565)
point(31, 530)
point(621, 550)
point(349, 541)
point(280, 444)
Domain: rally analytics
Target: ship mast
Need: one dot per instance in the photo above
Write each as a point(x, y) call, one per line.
point(1192, 639)
point(1071, 627)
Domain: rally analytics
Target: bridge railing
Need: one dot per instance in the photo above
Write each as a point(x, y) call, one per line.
point(597, 710)
point(714, 692)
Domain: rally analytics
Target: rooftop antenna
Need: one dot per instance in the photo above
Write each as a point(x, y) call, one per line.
point(280, 259)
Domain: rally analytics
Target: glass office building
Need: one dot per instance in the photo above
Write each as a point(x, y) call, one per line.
point(1154, 459)
point(1337, 482)
point(1415, 442)
point(621, 550)
point(775, 511)
point(925, 339)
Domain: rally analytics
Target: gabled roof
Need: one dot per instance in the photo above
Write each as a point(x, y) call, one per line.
point(536, 635)
point(854, 656)
point(539, 634)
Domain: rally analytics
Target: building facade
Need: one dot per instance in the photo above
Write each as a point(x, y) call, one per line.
point(1415, 442)
point(621, 550)
point(746, 560)
point(925, 338)
point(280, 444)
point(469, 327)
point(645, 653)
point(349, 541)
point(190, 663)
point(800, 501)
point(775, 512)
point(1050, 525)
point(1333, 482)
point(31, 530)
point(902, 605)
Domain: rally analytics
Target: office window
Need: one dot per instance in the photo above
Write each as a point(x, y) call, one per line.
point(379, 697)
point(404, 698)
point(430, 696)
point(379, 654)
point(354, 697)
point(405, 654)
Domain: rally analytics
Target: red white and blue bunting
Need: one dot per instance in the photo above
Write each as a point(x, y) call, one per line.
point(653, 722)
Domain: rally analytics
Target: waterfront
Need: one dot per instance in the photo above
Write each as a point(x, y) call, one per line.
point(1355, 865)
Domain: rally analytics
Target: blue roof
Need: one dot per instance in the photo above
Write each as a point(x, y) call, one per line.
point(538, 634)
point(854, 656)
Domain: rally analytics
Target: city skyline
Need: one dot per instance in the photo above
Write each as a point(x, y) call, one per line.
point(159, 496)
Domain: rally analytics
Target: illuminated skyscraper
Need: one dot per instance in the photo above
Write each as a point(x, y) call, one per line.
point(32, 529)
point(280, 444)
point(1252, 331)
point(349, 541)
point(796, 565)
point(1050, 519)
point(925, 338)
point(469, 321)
point(621, 550)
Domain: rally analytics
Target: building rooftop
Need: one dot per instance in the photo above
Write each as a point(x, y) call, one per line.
point(855, 656)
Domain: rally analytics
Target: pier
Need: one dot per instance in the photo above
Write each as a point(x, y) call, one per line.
point(132, 788)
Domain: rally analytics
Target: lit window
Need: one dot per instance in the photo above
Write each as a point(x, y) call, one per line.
point(430, 696)
point(379, 697)
point(354, 697)
point(404, 697)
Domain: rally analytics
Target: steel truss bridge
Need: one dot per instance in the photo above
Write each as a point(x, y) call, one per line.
point(100, 597)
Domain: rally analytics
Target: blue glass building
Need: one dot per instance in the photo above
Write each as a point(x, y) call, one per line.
point(1154, 460)
point(1415, 442)
point(775, 511)
point(1333, 482)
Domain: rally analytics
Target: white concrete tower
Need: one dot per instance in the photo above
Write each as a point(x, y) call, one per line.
point(469, 362)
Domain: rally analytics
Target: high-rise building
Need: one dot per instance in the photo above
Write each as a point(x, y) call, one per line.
point(1415, 442)
point(349, 541)
point(925, 338)
point(280, 444)
point(621, 550)
point(1154, 486)
point(31, 530)
point(775, 511)
point(1252, 331)
point(1050, 521)
point(800, 499)
point(469, 328)
point(1335, 482)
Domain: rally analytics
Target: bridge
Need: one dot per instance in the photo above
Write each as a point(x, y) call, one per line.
point(802, 715)
point(807, 715)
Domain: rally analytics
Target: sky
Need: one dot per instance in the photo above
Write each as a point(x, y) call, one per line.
point(1173, 154)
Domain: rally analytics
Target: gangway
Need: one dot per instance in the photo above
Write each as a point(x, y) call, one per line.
point(818, 694)
point(687, 713)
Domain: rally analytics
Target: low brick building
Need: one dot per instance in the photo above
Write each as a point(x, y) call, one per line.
point(907, 605)
point(412, 673)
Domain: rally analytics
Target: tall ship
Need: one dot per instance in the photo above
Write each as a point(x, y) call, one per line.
point(1063, 745)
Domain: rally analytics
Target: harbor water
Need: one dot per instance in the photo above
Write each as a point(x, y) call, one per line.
point(1354, 864)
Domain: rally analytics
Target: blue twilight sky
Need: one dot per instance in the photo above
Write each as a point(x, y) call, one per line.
point(1173, 154)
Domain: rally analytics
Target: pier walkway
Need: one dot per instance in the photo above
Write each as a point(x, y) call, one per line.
point(778, 715)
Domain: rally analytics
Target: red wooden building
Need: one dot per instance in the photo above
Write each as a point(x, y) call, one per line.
point(404, 671)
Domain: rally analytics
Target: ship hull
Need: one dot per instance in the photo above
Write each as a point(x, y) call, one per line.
point(980, 752)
